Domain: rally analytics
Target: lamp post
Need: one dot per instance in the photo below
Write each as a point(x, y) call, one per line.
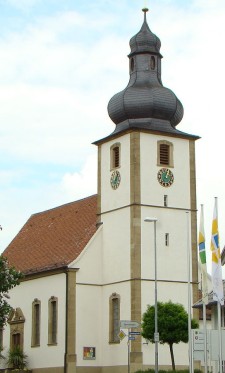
point(156, 334)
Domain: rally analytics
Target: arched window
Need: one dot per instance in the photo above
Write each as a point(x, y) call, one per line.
point(52, 320)
point(165, 153)
point(115, 155)
point(36, 322)
point(114, 318)
point(131, 65)
point(152, 63)
point(16, 340)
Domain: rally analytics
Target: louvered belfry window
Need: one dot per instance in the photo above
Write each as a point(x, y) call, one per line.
point(164, 154)
point(116, 153)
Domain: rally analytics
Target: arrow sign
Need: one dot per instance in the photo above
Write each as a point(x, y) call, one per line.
point(128, 324)
point(132, 338)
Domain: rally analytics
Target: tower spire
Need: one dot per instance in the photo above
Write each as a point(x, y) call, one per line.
point(145, 103)
point(145, 10)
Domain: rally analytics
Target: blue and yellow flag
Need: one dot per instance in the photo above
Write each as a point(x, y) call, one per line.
point(217, 281)
point(202, 256)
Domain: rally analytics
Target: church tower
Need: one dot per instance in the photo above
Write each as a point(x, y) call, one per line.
point(146, 168)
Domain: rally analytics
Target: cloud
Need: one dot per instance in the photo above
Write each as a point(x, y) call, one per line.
point(19, 202)
point(58, 72)
point(83, 183)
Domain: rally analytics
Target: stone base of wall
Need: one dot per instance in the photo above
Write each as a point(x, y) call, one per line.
point(115, 369)
point(48, 370)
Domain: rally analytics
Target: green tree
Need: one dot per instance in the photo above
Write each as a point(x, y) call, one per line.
point(172, 325)
point(9, 278)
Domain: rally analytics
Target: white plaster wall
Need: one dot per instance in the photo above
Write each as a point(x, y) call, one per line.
point(115, 354)
point(106, 257)
point(152, 192)
point(172, 259)
point(116, 246)
point(177, 293)
point(22, 296)
point(93, 323)
point(89, 261)
point(88, 322)
point(112, 199)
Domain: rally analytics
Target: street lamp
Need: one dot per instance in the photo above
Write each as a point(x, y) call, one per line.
point(156, 334)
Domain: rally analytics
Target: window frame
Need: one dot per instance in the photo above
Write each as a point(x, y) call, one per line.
point(165, 200)
point(167, 239)
point(53, 321)
point(114, 162)
point(36, 323)
point(113, 328)
point(170, 162)
point(16, 321)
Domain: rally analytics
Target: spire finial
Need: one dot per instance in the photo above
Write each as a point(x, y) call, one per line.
point(145, 10)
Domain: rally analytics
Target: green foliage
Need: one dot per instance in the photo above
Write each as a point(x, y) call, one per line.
point(16, 358)
point(9, 278)
point(172, 324)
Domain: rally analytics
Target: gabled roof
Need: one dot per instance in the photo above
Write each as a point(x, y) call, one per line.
point(54, 238)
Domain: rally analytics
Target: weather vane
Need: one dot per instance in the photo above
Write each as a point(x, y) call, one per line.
point(145, 8)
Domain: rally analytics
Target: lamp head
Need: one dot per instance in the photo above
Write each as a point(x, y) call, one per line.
point(150, 220)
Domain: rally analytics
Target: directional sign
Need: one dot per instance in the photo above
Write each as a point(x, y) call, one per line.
point(132, 338)
point(127, 324)
point(134, 333)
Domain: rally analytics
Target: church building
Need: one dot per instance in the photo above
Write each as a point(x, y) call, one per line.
point(91, 263)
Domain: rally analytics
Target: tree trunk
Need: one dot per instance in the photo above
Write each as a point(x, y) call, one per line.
point(172, 356)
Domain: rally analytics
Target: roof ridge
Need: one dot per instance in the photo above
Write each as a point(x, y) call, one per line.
point(65, 204)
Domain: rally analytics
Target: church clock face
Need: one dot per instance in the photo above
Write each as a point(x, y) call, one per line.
point(165, 177)
point(115, 179)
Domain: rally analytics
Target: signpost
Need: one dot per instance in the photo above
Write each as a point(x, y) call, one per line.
point(135, 333)
point(129, 324)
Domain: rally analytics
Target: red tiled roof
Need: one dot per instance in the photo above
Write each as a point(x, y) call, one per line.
point(53, 238)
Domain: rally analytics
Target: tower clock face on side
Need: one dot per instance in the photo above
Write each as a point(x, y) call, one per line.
point(115, 179)
point(165, 177)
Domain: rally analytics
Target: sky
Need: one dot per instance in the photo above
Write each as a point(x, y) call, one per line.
point(61, 62)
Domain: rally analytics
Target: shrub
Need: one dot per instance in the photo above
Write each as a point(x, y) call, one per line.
point(16, 358)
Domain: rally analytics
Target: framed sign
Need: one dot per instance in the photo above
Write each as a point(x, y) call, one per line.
point(89, 353)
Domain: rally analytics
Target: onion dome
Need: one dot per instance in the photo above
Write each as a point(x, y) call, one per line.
point(145, 103)
point(145, 40)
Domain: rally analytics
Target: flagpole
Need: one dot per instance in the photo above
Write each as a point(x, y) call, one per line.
point(205, 338)
point(189, 296)
point(202, 257)
point(220, 336)
point(218, 294)
point(219, 308)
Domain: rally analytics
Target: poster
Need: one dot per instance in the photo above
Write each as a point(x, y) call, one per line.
point(88, 353)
